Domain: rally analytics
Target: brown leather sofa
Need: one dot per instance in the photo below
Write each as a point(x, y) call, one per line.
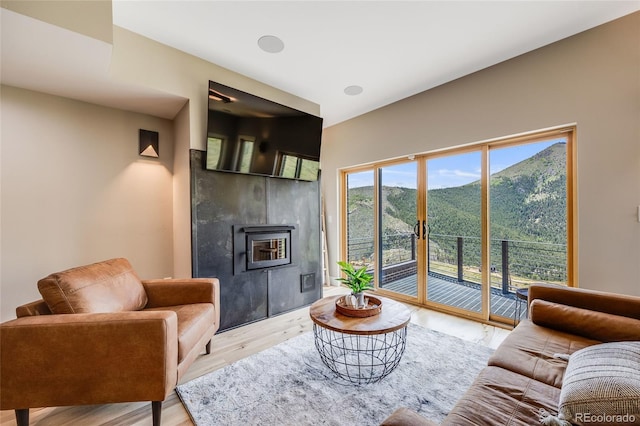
point(524, 375)
point(101, 335)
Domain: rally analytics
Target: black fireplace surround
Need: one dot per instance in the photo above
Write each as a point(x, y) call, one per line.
point(260, 237)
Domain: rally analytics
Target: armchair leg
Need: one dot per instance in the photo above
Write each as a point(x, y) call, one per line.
point(22, 417)
point(156, 410)
point(207, 348)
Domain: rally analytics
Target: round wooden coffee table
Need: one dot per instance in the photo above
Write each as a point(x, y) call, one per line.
point(360, 350)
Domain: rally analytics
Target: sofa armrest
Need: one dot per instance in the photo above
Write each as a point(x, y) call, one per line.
point(610, 303)
point(172, 292)
point(587, 323)
point(76, 359)
point(39, 307)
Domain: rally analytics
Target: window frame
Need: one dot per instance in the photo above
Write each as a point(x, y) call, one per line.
point(567, 131)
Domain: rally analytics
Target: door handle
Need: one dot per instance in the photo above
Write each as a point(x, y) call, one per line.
point(416, 229)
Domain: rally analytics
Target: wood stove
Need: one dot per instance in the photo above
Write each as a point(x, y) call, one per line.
point(262, 246)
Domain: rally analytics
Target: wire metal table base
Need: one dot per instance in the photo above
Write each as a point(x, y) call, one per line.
point(360, 359)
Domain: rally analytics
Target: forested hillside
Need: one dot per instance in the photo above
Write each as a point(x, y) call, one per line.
point(528, 203)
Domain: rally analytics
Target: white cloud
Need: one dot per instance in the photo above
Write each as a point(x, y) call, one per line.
point(458, 173)
point(447, 178)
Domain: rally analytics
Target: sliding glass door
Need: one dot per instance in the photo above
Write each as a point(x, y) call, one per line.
point(466, 231)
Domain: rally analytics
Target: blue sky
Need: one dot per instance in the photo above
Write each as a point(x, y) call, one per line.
point(451, 171)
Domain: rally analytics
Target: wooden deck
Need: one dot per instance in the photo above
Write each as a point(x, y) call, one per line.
point(462, 295)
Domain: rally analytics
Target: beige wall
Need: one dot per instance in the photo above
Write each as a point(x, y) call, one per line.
point(591, 79)
point(152, 229)
point(75, 191)
point(181, 197)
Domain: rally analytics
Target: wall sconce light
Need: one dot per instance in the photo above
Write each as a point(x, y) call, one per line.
point(149, 146)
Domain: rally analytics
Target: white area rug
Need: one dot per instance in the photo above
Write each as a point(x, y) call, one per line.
point(289, 385)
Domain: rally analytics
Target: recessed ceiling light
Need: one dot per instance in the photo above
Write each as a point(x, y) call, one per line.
point(271, 44)
point(352, 90)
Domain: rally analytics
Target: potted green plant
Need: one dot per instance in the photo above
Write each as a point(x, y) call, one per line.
point(358, 280)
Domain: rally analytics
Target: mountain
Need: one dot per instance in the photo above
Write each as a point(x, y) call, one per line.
point(528, 203)
point(530, 197)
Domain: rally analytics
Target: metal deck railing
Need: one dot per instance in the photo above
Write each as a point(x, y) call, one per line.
point(513, 263)
point(461, 295)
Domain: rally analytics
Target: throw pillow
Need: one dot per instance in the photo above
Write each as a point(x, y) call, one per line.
point(602, 384)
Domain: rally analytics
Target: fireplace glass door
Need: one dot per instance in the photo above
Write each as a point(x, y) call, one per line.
point(266, 250)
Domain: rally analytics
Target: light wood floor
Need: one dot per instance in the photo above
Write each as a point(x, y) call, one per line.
point(231, 346)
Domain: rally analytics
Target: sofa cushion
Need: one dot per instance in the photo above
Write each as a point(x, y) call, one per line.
point(602, 380)
point(193, 322)
point(583, 322)
point(502, 397)
point(108, 286)
point(406, 417)
point(530, 350)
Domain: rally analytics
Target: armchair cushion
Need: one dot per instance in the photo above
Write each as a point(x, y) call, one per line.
point(194, 321)
point(108, 286)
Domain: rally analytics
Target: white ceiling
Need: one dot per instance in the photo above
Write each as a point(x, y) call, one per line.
point(393, 49)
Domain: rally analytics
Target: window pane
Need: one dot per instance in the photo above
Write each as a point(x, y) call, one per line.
point(528, 199)
point(214, 149)
point(289, 164)
point(309, 169)
point(455, 231)
point(245, 156)
point(399, 213)
point(360, 219)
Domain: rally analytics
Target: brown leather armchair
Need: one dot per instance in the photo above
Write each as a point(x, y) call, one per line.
point(101, 335)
